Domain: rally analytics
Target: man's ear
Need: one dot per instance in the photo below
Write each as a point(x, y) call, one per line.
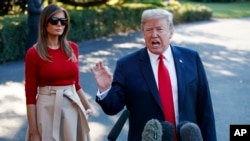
point(171, 34)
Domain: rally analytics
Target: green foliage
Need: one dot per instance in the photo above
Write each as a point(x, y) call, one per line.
point(92, 22)
point(96, 22)
point(190, 13)
point(154, 2)
point(184, 13)
point(228, 10)
point(13, 36)
point(12, 6)
point(218, 1)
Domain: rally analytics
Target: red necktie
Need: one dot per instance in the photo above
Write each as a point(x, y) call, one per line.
point(165, 90)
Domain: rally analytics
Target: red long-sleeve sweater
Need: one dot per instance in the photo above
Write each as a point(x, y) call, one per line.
point(60, 71)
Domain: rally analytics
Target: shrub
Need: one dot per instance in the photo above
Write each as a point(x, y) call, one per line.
point(13, 35)
point(92, 22)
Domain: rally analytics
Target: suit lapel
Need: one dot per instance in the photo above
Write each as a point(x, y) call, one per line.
point(146, 69)
point(180, 74)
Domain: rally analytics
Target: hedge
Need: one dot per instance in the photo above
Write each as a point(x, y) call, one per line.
point(90, 23)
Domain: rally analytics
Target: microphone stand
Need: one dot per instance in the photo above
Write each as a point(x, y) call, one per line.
point(115, 131)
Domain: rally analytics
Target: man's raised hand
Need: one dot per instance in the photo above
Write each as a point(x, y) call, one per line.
point(102, 75)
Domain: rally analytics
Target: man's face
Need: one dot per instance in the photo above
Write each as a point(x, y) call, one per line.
point(157, 35)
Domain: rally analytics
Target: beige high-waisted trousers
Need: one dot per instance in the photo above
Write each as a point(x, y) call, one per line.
point(60, 114)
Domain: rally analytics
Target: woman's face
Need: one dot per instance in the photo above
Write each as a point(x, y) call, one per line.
point(157, 35)
point(56, 24)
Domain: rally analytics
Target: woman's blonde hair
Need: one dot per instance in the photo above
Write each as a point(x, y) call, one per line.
point(42, 42)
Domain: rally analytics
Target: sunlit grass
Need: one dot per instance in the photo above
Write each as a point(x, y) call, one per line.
point(228, 10)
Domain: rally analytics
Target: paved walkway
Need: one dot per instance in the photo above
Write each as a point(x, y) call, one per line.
point(224, 47)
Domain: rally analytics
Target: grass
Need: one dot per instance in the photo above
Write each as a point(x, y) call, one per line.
point(228, 10)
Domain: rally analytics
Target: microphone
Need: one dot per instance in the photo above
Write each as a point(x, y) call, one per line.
point(158, 131)
point(168, 131)
point(189, 131)
point(115, 131)
point(152, 131)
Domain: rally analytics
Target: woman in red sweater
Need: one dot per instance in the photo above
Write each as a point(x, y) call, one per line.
point(57, 108)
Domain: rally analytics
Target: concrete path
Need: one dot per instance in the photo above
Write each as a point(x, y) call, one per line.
point(224, 47)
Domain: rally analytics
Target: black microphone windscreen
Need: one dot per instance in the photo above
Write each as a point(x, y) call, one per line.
point(152, 131)
point(115, 131)
point(190, 132)
point(168, 131)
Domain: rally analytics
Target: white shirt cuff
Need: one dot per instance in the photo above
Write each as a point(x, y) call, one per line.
point(102, 95)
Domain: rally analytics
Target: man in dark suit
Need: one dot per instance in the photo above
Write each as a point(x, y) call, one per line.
point(135, 81)
point(34, 11)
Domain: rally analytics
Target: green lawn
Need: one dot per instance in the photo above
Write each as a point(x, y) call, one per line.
point(228, 10)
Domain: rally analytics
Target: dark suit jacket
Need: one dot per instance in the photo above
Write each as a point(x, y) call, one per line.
point(134, 86)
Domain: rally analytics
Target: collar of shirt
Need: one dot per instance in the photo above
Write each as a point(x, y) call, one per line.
point(167, 56)
point(168, 61)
